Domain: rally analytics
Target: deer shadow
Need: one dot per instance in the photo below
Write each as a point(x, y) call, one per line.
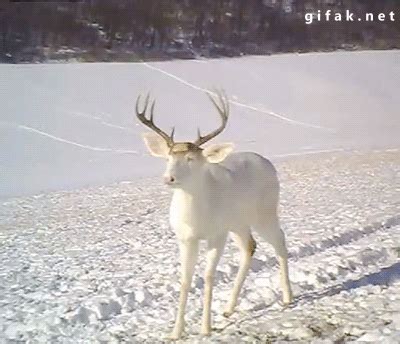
point(384, 277)
point(345, 238)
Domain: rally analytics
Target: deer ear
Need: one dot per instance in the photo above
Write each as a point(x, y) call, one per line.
point(156, 145)
point(217, 152)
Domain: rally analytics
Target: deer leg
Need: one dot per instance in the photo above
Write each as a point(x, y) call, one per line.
point(188, 255)
point(214, 252)
point(284, 272)
point(279, 243)
point(247, 247)
point(270, 230)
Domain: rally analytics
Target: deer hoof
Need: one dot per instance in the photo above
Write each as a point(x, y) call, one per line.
point(174, 336)
point(227, 314)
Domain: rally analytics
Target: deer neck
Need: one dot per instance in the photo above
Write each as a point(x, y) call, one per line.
point(205, 184)
point(197, 189)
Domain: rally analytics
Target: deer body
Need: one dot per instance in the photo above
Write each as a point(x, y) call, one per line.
point(214, 193)
point(229, 195)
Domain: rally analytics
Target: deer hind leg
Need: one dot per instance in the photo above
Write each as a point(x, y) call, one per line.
point(214, 252)
point(270, 230)
point(247, 247)
point(188, 256)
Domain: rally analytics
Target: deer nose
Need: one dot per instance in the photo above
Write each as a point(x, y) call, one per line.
point(169, 179)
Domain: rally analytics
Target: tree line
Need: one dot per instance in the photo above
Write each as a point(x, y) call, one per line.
point(151, 28)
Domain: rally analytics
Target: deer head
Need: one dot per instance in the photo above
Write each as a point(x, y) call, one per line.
point(185, 160)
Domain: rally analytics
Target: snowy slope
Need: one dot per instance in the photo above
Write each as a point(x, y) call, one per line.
point(101, 264)
point(67, 126)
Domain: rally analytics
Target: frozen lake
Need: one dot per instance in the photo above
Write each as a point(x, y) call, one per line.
point(71, 125)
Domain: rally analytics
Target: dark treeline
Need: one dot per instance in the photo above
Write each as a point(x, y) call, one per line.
point(95, 30)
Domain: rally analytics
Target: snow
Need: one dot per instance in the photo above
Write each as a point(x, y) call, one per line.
point(64, 126)
point(86, 250)
point(100, 264)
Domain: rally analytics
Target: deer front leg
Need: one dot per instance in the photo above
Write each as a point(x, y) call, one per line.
point(214, 251)
point(188, 255)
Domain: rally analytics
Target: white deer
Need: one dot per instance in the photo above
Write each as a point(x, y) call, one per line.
point(214, 193)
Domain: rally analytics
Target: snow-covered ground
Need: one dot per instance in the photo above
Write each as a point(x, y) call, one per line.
point(67, 126)
point(101, 264)
point(97, 262)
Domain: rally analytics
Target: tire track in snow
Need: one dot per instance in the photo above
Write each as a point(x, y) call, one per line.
point(96, 118)
point(60, 139)
point(333, 150)
point(310, 152)
point(239, 104)
point(123, 151)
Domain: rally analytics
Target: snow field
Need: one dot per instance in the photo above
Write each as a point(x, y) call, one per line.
point(101, 264)
point(76, 125)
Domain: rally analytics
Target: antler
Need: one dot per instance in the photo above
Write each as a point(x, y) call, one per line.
point(149, 122)
point(223, 110)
